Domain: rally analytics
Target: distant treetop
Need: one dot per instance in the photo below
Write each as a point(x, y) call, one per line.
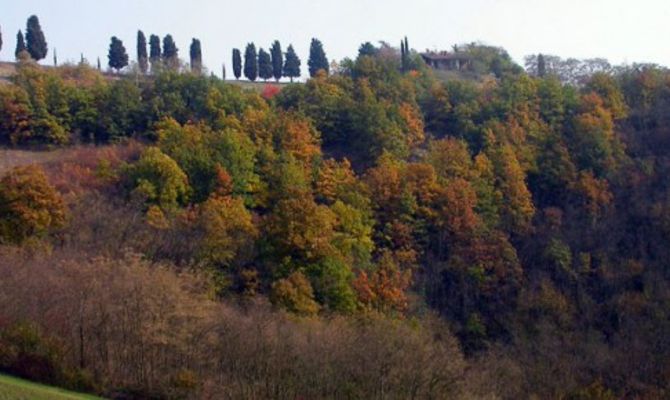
point(36, 43)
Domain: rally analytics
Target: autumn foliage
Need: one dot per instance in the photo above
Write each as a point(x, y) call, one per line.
point(374, 233)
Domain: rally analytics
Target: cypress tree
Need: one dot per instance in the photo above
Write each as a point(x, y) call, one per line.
point(55, 58)
point(0, 39)
point(170, 52)
point(223, 72)
point(196, 56)
point(317, 58)
point(264, 65)
point(237, 63)
point(250, 62)
point(154, 51)
point(541, 66)
point(142, 58)
point(292, 64)
point(118, 58)
point(404, 55)
point(99, 65)
point(20, 45)
point(35, 41)
point(277, 60)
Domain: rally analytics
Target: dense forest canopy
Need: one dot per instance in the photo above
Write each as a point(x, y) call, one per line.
point(374, 232)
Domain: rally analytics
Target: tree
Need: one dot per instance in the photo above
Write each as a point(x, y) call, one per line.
point(170, 52)
point(228, 228)
point(154, 51)
point(264, 65)
point(157, 179)
point(404, 45)
point(35, 41)
point(0, 39)
point(118, 58)
point(277, 60)
point(317, 58)
point(29, 205)
point(142, 58)
point(237, 63)
point(196, 56)
point(20, 45)
point(250, 62)
point(541, 66)
point(367, 49)
point(292, 64)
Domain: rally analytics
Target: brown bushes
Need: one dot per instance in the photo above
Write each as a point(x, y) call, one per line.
point(135, 327)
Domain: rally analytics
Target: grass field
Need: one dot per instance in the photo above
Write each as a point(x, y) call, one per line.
point(18, 389)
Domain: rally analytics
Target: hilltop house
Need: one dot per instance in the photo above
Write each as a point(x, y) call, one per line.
point(447, 61)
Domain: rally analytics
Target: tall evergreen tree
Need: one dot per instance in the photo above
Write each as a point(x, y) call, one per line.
point(404, 55)
point(99, 65)
point(155, 54)
point(317, 58)
point(292, 64)
point(170, 52)
point(142, 58)
point(0, 39)
point(20, 45)
point(250, 62)
point(35, 40)
point(277, 60)
point(264, 65)
point(55, 58)
point(237, 63)
point(541, 66)
point(223, 72)
point(196, 56)
point(118, 58)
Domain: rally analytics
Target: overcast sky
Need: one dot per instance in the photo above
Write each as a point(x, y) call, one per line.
point(624, 31)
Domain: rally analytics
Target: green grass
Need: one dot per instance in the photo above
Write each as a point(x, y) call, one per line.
point(18, 389)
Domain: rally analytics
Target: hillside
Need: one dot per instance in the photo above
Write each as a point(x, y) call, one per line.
point(380, 231)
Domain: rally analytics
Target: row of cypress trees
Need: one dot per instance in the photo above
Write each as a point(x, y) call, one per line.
point(167, 56)
point(276, 64)
point(262, 64)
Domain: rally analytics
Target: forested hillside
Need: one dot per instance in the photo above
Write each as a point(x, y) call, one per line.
point(374, 232)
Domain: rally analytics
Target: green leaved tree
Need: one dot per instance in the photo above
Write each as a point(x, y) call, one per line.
point(277, 60)
point(36, 43)
point(142, 58)
point(264, 65)
point(250, 62)
point(20, 45)
point(237, 63)
point(118, 58)
point(292, 64)
point(196, 56)
point(154, 51)
point(170, 52)
point(317, 58)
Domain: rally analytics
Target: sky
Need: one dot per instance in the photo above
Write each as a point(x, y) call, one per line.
point(623, 31)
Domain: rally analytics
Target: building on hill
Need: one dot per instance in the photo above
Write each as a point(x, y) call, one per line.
point(447, 61)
